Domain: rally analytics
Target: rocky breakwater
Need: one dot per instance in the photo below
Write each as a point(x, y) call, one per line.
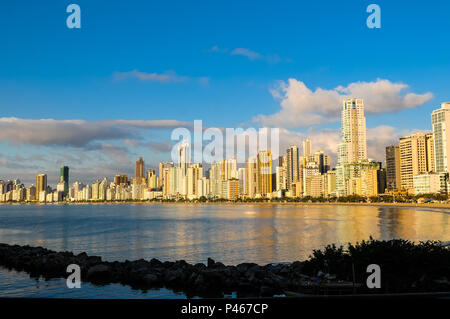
point(211, 280)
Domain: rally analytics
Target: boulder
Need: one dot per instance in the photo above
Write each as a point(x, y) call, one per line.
point(99, 273)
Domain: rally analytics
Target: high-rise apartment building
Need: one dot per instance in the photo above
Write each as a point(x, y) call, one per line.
point(416, 157)
point(292, 166)
point(440, 119)
point(393, 181)
point(162, 166)
point(229, 169)
point(41, 186)
point(264, 161)
point(184, 157)
point(194, 176)
point(152, 179)
point(64, 178)
point(307, 148)
point(252, 177)
point(353, 146)
point(242, 177)
point(215, 178)
point(140, 171)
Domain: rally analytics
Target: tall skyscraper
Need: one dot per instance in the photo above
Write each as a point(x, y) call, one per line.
point(415, 157)
point(292, 166)
point(64, 178)
point(252, 177)
point(140, 171)
point(353, 146)
point(264, 172)
point(440, 119)
point(307, 147)
point(393, 181)
point(41, 184)
point(229, 168)
point(162, 167)
point(194, 176)
point(184, 157)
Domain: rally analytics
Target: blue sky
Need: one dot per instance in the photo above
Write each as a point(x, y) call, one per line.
point(223, 61)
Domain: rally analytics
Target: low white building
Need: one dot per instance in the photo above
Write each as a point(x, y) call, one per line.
point(430, 183)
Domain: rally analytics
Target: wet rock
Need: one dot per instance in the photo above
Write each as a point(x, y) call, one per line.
point(200, 266)
point(151, 279)
point(245, 266)
point(155, 263)
point(99, 273)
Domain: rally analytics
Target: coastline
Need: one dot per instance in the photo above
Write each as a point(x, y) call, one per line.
point(225, 203)
point(329, 272)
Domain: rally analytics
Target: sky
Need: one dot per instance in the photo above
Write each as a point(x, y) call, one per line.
point(97, 97)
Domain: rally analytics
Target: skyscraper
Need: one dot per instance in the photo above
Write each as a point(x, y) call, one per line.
point(64, 178)
point(162, 167)
point(252, 177)
point(393, 181)
point(353, 146)
point(264, 172)
point(307, 147)
point(152, 179)
point(415, 157)
point(139, 171)
point(184, 157)
point(41, 185)
point(440, 119)
point(292, 172)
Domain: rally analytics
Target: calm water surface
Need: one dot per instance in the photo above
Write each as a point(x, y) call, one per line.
point(228, 233)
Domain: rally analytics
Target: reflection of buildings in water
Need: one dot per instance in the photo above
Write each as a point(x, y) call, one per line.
point(414, 224)
point(357, 223)
point(429, 224)
point(396, 222)
point(228, 233)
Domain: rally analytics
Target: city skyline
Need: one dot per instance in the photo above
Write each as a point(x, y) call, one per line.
point(89, 102)
point(417, 165)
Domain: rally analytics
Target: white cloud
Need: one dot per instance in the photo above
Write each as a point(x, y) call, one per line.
point(166, 77)
point(77, 133)
point(301, 106)
point(252, 55)
point(327, 140)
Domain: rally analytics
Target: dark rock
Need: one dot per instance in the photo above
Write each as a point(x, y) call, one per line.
point(245, 266)
point(151, 279)
point(211, 262)
point(99, 273)
point(155, 263)
point(200, 266)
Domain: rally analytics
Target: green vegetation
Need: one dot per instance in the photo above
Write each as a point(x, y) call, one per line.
point(405, 266)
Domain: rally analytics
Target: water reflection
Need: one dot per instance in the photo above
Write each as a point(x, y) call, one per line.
point(229, 233)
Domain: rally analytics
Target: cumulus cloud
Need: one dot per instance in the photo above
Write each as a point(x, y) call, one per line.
point(76, 133)
point(327, 140)
point(301, 106)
